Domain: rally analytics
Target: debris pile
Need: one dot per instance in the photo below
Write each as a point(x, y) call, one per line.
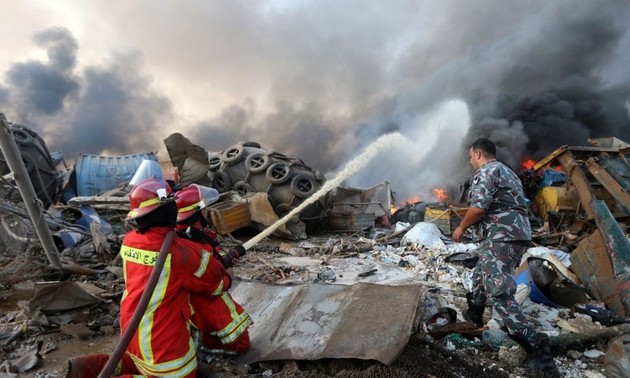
point(347, 269)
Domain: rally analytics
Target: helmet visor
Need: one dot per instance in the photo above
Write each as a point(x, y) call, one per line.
point(207, 195)
point(146, 170)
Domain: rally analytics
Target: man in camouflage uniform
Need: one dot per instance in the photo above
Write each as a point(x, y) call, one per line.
point(499, 221)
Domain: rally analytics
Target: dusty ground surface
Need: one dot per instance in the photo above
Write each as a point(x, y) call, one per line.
point(276, 261)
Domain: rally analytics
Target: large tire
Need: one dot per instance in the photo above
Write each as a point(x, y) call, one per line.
point(234, 154)
point(22, 137)
point(303, 186)
point(279, 173)
point(222, 182)
point(243, 188)
point(215, 161)
point(257, 162)
point(250, 144)
point(283, 209)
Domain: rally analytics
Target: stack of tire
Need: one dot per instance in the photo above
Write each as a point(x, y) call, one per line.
point(247, 168)
point(38, 162)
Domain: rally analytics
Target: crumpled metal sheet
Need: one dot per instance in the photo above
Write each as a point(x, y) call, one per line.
point(311, 322)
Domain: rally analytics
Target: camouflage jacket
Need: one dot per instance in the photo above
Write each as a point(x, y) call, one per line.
point(496, 189)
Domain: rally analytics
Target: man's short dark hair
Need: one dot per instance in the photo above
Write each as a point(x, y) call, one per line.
point(486, 146)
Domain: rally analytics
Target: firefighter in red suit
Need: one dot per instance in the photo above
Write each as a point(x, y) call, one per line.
point(222, 321)
point(163, 345)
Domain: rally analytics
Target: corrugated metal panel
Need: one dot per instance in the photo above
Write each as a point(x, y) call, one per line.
point(312, 322)
point(96, 174)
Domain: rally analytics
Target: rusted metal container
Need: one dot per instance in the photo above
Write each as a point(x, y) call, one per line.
point(446, 218)
point(350, 221)
point(230, 216)
point(95, 174)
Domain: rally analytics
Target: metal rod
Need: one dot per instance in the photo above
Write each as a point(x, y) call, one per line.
point(33, 204)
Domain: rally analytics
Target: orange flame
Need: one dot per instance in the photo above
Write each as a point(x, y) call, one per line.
point(409, 201)
point(528, 164)
point(441, 194)
point(557, 167)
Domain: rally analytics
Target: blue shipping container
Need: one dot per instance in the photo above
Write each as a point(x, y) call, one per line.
point(96, 174)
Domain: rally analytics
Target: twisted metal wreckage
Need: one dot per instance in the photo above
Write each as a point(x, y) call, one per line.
point(580, 205)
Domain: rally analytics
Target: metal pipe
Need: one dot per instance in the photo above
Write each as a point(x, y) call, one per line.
point(33, 204)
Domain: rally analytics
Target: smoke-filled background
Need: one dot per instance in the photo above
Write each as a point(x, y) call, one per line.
point(320, 80)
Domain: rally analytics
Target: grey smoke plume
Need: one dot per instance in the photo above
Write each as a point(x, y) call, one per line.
point(118, 112)
point(107, 109)
point(41, 89)
point(320, 80)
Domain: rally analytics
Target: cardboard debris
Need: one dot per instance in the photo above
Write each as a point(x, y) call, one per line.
point(582, 325)
point(52, 298)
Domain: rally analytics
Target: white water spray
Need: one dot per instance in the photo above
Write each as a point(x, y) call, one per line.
point(382, 143)
point(432, 157)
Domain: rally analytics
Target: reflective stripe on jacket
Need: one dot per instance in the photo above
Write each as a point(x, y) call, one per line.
point(162, 344)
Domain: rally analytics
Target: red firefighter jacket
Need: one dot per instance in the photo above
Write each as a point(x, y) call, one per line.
point(163, 345)
point(217, 316)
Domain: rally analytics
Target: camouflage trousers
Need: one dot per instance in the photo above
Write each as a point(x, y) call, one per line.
point(493, 282)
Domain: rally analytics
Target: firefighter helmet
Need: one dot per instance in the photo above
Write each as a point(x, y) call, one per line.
point(147, 196)
point(192, 199)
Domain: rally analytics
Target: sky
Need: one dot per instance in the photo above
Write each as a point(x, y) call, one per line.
point(320, 80)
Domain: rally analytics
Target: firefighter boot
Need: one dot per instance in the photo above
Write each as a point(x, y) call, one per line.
point(539, 357)
point(88, 366)
point(474, 313)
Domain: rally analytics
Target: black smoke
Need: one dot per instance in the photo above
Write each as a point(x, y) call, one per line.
point(557, 91)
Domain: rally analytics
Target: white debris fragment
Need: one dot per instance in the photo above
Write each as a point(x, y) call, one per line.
point(450, 346)
point(593, 353)
point(424, 234)
point(543, 252)
point(545, 316)
point(593, 374)
point(401, 226)
point(461, 247)
point(413, 261)
point(467, 281)
point(522, 293)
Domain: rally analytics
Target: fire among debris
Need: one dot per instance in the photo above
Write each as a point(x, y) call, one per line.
point(441, 194)
point(528, 164)
point(409, 201)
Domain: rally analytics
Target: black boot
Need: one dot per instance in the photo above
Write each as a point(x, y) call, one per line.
point(539, 357)
point(474, 313)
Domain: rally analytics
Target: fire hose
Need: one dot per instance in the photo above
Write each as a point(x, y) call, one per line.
point(227, 261)
point(353, 166)
point(117, 354)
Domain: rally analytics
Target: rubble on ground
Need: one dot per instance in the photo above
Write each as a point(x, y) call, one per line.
point(571, 284)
